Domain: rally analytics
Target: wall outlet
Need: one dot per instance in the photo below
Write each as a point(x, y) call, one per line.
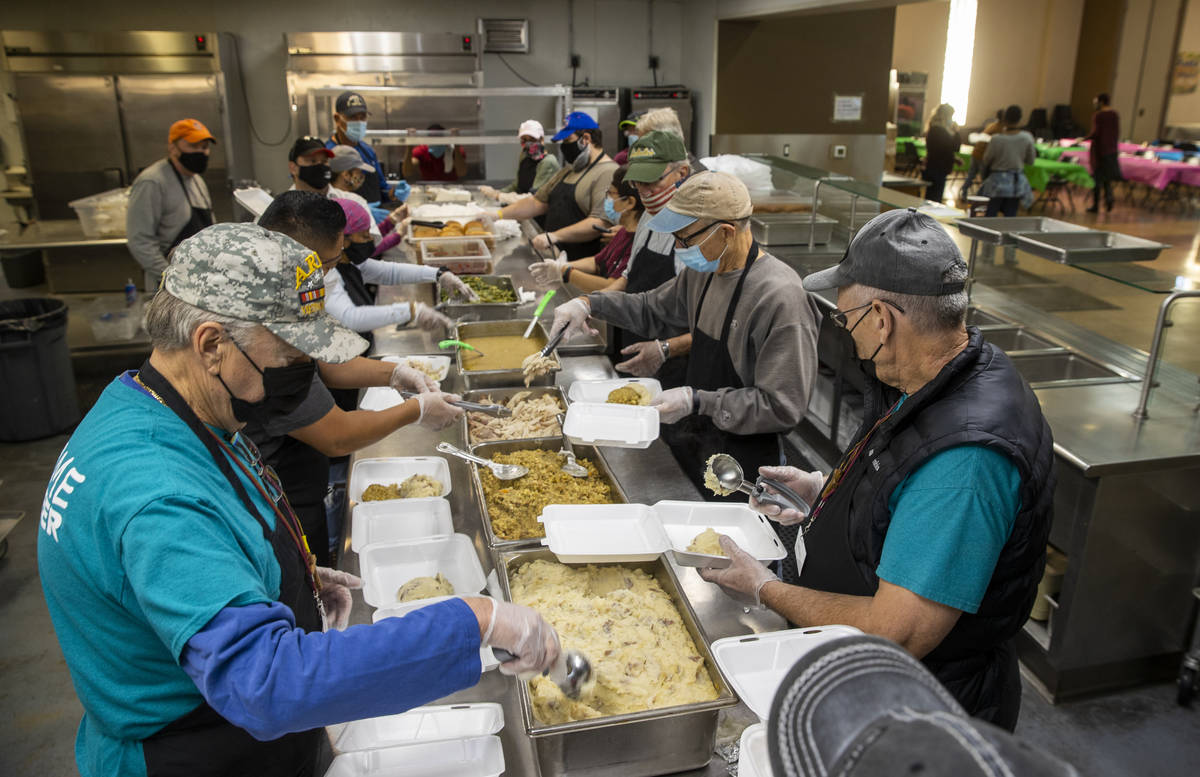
point(838, 152)
point(575, 60)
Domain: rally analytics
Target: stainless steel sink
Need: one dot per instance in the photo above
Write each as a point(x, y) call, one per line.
point(999, 230)
point(977, 317)
point(1089, 246)
point(1016, 338)
point(1045, 370)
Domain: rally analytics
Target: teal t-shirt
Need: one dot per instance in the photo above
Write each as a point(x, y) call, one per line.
point(950, 519)
point(142, 542)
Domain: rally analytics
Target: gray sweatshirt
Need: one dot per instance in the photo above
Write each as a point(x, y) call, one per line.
point(1009, 152)
point(772, 338)
point(158, 210)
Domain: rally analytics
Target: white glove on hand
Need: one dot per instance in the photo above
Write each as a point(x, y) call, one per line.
point(807, 486)
point(453, 284)
point(405, 378)
point(673, 404)
point(524, 633)
point(436, 410)
point(335, 595)
point(541, 241)
point(429, 319)
point(572, 316)
point(646, 358)
point(489, 192)
point(547, 273)
point(743, 579)
point(398, 215)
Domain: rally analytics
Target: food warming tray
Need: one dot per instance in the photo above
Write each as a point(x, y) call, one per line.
point(640, 744)
point(783, 229)
point(486, 379)
point(386, 567)
point(396, 469)
point(502, 395)
point(457, 308)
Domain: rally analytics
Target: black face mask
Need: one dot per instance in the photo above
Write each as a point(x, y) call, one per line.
point(316, 176)
point(284, 389)
point(360, 252)
point(194, 161)
point(868, 364)
point(571, 149)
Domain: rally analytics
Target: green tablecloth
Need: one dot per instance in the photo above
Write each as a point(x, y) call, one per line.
point(1039, 173)
point(1053, 153)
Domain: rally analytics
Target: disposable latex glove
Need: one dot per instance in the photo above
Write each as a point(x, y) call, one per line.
point(335, 595)
point(489, 192)
point(508, 198)
point(743, 579)
point(405, 378)
point(572, 316)
point(673, 404)
point(429, 319)
point(524, 633)
point(645, 358)
point(453, 284)
point(398, 215)
point(807, 486)
point(541, 241)
point(436, 410)
point(548, 273)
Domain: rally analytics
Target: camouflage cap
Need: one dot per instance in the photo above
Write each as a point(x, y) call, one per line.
point(252, 274)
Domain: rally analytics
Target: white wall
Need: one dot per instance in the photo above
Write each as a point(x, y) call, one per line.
point(919, 46)
point(1185, 108)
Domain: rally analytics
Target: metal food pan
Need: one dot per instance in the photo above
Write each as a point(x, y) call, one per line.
point(457, 309)
point(1001, 230)
point(487, 379)
point(503, 395)
point(1083, 246)
point(488, 449)
point(774, 229)
point(640, 744)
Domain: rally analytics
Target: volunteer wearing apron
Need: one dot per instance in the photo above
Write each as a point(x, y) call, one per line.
point(932, 528)
point(187, 605)
point(572, 203)
point(754, 332)
point(169, 201)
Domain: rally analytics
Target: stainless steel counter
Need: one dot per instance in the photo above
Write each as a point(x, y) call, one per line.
point(76, 263)
point(65, 233)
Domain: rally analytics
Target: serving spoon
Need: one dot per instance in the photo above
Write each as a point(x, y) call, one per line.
point(501, 471)
point(570, 673)
point(729, 474)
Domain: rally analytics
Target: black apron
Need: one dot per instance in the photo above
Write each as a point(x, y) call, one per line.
point(526, 172)
point(202, 743)
point(200, 218)
point(361, 293)
point(563, 211)
point(695, 438)
point(304, 473)
point(648, 270)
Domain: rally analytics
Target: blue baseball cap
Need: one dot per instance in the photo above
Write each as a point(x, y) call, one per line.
point(576, 121)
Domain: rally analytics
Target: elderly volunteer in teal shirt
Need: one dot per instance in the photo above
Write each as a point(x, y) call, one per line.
point(191, 615)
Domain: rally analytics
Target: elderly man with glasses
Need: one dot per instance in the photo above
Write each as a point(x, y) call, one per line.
point(753, 359)
point(932, 528)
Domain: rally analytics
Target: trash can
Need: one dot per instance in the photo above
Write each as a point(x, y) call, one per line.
point(36, 377)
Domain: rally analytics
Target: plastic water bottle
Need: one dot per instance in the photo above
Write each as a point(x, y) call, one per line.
point(131, 293)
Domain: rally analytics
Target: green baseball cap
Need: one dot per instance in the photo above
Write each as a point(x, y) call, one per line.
point(649, 157)
point(263, 277)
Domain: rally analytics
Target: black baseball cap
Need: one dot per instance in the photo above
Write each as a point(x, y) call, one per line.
point(350, 103)
point(903, 251)
point(306, 144)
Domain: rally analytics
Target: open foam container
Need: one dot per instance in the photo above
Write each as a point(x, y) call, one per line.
point(397, 469)
point(387, 566)
point(487, 658)
point(439, 364)
point(580, 534)
point(754, 760)
point(399, 520)
point(473, 757)
point(598, 390)
point(614, 426)
point(755, 665)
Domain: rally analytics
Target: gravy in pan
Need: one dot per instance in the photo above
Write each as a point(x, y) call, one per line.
point(502, 352)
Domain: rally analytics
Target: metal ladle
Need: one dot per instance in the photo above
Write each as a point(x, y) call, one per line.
point(571, 467)
point(570, 672)
point(501, 471)
point(729, 474)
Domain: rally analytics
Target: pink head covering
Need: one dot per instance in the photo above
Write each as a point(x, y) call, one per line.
point(357, 218)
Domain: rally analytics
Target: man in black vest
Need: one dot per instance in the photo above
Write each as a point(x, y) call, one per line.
point(931, 531)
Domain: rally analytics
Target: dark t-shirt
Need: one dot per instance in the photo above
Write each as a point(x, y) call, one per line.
point(941, 148)
point(270, 438)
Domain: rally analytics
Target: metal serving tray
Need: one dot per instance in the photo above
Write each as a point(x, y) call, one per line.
point(640, 744)
point(503, 395)
point(1089, 246)
point(487, 379)
point(789, 229)
point(488, 449)
point(999, 230)
point(480, 311)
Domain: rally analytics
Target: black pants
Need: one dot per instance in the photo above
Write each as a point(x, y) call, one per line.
point(1006, 205)
point(1105, 170)
point(936, 190)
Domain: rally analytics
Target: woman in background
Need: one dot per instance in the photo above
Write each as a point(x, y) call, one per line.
point(941, 149)
point(1004, 167)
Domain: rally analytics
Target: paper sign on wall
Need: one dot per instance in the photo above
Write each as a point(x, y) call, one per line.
point(847, 107)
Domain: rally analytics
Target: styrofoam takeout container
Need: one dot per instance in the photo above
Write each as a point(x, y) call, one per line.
point(598, 533)
point(387, 566)
point(754, 759)
point(756, 665)
point(487, 659)
point(614, 426)
point(598, 390)
point(399, 520)
point(475, 757)
point(396, 469)
point(439, 362)
point(434, 723)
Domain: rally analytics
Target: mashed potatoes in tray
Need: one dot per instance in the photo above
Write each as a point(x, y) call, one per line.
point(641, 654)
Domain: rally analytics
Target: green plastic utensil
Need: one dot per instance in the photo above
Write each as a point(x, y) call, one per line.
point(460, 344)
point(538, 313)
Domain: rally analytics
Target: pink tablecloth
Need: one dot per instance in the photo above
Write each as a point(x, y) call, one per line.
point(1148, 171)
point(1124, 148)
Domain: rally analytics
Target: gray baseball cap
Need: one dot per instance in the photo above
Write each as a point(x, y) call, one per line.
point(903, 251)
point(347, 158)
point(263, 277)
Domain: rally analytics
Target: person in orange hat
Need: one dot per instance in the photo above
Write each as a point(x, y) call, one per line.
point(169, 201)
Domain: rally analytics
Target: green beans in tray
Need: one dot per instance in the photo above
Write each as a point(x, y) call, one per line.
point(488, 292)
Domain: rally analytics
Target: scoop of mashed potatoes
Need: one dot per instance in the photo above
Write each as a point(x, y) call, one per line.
point(419, 486)
point(424, 588)
point(710, 478)
point(707, 541)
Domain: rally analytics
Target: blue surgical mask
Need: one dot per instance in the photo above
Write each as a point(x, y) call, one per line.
point(632, 138)
point(437, 151)
point(610, 212)
point(356, 130)
point(693, 258)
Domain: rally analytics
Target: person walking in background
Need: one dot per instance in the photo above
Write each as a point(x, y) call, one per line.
point(975, 167)
point(1106, 128)
point(1004, 166)
point(941, 149)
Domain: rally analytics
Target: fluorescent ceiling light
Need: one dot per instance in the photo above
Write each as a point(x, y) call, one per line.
point(960, 49)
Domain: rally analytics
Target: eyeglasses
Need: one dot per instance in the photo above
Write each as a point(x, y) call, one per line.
point(838, 317)
point(249, 452)
point(688, 240)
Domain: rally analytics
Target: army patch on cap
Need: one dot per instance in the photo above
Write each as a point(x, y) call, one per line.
point(312, 301)
point(307, 268)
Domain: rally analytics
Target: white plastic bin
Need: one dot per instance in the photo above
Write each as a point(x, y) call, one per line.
point(103, 214)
